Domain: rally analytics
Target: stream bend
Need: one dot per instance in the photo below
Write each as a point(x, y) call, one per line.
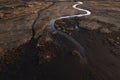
point(76, 44)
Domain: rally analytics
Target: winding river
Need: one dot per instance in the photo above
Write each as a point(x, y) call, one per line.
point(68, 37)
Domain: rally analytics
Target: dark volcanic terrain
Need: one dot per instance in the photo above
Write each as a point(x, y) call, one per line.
point(28, 56)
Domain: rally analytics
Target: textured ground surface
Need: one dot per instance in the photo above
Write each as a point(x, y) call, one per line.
point(99, 34)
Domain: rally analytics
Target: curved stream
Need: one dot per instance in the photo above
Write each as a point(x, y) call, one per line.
point(68, 37)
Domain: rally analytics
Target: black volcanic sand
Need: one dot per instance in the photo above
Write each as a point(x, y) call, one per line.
point(28, 66)
point(30, 62)
point(103, 52)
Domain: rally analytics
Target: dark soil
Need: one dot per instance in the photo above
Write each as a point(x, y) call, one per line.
point(30, 61)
